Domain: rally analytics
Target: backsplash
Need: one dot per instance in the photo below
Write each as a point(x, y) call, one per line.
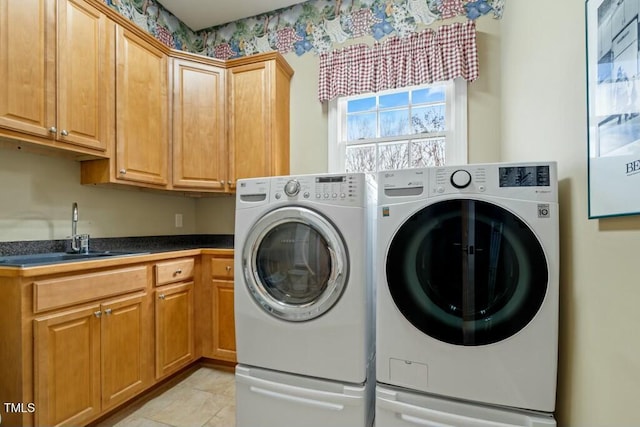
point(313, 26)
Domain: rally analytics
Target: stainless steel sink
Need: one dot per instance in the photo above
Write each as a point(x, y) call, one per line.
point(59, 257)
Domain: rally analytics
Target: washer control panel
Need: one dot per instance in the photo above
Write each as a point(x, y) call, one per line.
point(292, 187)
point(342, 189)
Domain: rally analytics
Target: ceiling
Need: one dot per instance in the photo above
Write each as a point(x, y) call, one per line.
point(199, 14)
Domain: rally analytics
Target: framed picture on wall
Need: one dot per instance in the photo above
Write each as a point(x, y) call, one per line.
point(613, 98)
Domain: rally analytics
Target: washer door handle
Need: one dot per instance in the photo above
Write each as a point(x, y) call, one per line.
point(336, 264)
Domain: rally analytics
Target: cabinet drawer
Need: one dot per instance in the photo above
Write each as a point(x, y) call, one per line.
point(174, 271)
point(66, 291)
point(222, 268)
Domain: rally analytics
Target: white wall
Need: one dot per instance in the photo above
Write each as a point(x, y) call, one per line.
point(544, 117)
point(36, 194)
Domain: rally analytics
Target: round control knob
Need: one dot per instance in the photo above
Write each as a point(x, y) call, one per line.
point(460, 178)
point(292, 188)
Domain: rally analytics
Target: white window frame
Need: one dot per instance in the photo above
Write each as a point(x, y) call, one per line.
point(456, 145)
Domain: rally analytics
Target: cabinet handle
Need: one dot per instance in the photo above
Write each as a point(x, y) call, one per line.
point(223, 182)
point(97, 313)
point(64, 132)
point(53, 129)
point(228, 268)
point(178, 271)
point(107, 311)
point(161, 296)
point(123, 171)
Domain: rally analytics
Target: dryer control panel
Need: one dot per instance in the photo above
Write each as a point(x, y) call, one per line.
point(527, 181)
point(530, 181)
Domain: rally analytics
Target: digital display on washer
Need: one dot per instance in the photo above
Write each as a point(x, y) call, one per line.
point(524, 176)
point(329, 179)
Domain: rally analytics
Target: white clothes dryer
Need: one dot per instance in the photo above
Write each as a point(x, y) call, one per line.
point(304, 293)
point(468, 278)
point(397, 407)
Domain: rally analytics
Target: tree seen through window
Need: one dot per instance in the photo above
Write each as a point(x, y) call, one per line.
point(398, 130)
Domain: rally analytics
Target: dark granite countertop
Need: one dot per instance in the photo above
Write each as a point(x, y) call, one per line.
point(132, 244)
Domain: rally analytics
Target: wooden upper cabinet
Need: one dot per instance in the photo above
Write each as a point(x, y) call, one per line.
point(199, 131)
point(142, 143)
point(27, 66)
point(76, 75)
point(56, 73)
point(258, 102)
point(85, 75)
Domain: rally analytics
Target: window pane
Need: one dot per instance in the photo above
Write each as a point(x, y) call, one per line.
point(394, 123)
point(394, 100)
point(428, 119)
point(427, 152)
point(402, 128)
point(361, 126)
point(393, 156)
point(363, 104)
point(432, 94)
point(361, 158)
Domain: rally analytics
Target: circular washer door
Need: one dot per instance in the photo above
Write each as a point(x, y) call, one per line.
point(466, 272)
point(295, 264)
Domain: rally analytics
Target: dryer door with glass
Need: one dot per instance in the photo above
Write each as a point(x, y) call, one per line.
point(295, 263)
point(467, 272)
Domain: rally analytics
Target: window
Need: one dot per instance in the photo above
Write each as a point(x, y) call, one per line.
point(403, 128)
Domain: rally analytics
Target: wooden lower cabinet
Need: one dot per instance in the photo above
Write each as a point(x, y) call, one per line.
point(89, 359)
point(91, 339)
point(175, 344)
point(224, 334)
point(67, 367)
point(219, 341)
point(125, 357)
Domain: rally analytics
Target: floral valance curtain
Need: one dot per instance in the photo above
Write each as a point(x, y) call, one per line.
point(420, 58)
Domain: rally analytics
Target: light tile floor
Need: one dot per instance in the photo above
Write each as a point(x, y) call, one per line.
point(206, 398)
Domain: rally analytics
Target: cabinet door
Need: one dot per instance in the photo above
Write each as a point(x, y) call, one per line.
point(141, 116)
point(67, 366)
point(258, 117)
point(85, 75)
point(224, 334)
point(249, 120)
point(123, 349)
point(174, 327)
point(27, 66)
point(199, 142)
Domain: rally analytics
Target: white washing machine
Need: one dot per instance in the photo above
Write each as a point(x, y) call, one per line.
point(304, 291)
point(397, 407)
point(467, 282)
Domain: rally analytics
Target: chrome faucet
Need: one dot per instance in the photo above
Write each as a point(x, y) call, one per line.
point(74, 220)
point(79, 242)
